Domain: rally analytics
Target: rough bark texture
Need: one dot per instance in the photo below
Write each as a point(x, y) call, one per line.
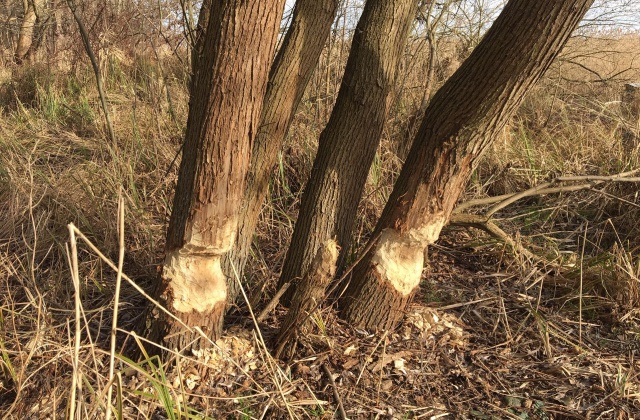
point(462, 119)
point(307, 297)
point(289, 76)
point(349, 142)
point(198, 47)
point(225, 105)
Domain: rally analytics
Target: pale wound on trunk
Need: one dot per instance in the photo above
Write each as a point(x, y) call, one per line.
point(194, 274)
point(399, 256)
point(196, 282)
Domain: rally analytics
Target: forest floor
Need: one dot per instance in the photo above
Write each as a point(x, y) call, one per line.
point(481, 341)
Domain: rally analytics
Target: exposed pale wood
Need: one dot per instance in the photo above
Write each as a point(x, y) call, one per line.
point(226, 95)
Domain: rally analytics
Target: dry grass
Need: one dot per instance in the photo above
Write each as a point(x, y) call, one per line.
point(491, 334)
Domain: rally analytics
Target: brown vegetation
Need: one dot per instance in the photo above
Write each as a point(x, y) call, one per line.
point(546, 333)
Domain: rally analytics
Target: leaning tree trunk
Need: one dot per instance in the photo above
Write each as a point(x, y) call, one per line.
point(224, 112)
point(349, 142)
point(462, 119)
point(289, 76)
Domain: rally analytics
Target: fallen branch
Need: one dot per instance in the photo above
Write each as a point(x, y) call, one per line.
point(484, 221)
point(336, 395)
point(481, 222)
point(273, 302)
point(588, 182)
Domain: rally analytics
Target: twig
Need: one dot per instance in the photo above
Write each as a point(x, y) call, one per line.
point(272, 303)
point(459, 305)
point(116, 301)
point(336, 395)
point(76, 378)
point(589, 181)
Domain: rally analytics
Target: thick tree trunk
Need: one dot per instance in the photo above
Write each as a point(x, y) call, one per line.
point(462, 119)
point(224, 112)
point(306, 299)
point(289, 76)
point(349, 142)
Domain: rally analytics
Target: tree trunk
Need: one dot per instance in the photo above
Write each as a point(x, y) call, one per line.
point(197, 48)
point(349, 142)
point(224, 112)
point(27, 28)
point(306, 299)
point(290, 73)
point(462, 119)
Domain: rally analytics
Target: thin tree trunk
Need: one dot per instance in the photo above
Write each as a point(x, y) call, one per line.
point(349, 142)
point(289, 76)
point(462, 119)
point(224, 112)
point(27, 28)
point(198, 43)
point(96, 70)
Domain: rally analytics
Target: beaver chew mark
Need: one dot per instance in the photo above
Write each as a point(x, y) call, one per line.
point(399, 257)
point(196, 281)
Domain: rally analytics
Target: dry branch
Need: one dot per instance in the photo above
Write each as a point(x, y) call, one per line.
point(484, 221)
point(336, 394)
point(589, 181)
point(273, 302)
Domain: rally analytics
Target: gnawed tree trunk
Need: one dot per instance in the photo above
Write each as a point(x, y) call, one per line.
point(32, 8)
point(349, 142)
point(307, 297)
point(224, 112)
point(462, 119)
point(289, 76)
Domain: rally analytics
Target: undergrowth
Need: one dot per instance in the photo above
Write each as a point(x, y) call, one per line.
point(57, 168)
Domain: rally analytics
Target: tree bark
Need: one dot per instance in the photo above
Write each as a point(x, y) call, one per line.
point(197, 47)
point(307, 298)
point(289, 76)
point(27, 28)
point(224, 112)
point(462, 119)
point(349, 142)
